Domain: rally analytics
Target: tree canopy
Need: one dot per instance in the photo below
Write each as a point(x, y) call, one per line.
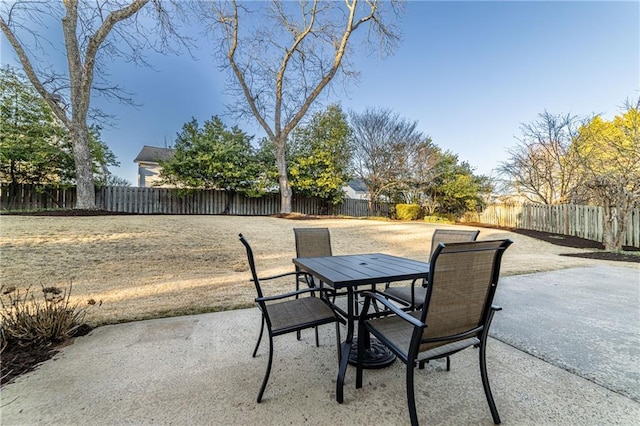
point(386, 148)
point(455, 188)
point(212, 156)
point(541, 166)
point(609, 161)
point(34, 145)
point(320, 154)
point(398, 163)
point(282, 62)
point(564, 159)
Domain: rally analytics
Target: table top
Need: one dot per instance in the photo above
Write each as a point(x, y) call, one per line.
point(360, 269)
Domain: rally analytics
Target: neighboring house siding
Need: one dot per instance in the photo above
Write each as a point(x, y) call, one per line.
point(149, 175)
point(148, 161)
point(357, 190)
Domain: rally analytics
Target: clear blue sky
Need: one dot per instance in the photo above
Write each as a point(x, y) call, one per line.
point(469, 72)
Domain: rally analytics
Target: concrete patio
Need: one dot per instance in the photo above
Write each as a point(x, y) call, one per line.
point(198, 370)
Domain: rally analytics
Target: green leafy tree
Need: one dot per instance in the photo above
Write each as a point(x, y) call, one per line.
point(213, 157)
point(30, 136)
point(456, 189)
point(34, 146)
point(609, 155)
point(267, 178)
point(320, 154)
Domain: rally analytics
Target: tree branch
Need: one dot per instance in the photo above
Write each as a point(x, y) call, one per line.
point(31, 74)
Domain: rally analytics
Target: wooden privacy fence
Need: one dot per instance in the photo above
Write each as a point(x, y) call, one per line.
point(579, 221)
point(174, 201)
point(33, 197)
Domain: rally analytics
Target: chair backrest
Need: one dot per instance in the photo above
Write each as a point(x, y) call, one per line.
point(312, 242)
point(252, 264)
point(462, 283)
point(451, 236)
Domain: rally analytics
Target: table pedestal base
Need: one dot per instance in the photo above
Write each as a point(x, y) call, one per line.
point(377, 356)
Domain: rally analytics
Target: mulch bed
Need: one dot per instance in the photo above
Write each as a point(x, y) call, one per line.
point(18, 359)
point(576, 242)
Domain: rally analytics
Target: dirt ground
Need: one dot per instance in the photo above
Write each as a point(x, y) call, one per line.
point(140, 267)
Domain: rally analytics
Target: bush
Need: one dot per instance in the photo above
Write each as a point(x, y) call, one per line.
point(408, 211)
point(30, 321)
point(440, 219)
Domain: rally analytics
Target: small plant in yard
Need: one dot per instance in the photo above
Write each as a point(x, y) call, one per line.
point(30, 325)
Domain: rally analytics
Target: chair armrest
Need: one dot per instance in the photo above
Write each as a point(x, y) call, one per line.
point(286, 274)
point(413, 283)
point(393, 308)
point(293, 294)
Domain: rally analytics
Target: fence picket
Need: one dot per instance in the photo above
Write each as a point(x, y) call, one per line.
point(579, 221)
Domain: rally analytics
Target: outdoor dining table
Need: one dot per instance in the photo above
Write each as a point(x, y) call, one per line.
point(348, 272)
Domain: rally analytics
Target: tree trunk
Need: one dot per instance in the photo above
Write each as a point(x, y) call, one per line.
point(610, 238)
point(283, 179)
point(85, 190)
point(620, 220)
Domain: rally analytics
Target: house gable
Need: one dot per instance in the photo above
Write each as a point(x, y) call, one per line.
point(148, 161)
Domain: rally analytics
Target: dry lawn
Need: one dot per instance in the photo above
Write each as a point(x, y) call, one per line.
point(150, 266)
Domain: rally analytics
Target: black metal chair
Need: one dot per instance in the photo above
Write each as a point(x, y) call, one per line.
point(457, 313)
point(288, 312)
point(413, 295)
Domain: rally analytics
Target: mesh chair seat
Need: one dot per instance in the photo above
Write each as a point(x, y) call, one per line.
point(299, 313)
point(399, 333)
point(403, 294)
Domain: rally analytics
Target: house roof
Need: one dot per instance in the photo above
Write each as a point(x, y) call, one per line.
point(154, 154)
point(358, 185)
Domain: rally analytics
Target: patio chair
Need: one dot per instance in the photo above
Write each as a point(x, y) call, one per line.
point(288, 312)
point(311, 242)
point(316, 242)
point(413, 295)
point(456, 314)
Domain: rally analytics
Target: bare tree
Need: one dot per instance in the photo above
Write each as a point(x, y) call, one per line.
point(283, 55)
point(541, 167)
point(93, 32)
point(609, 155)
point(389, 152)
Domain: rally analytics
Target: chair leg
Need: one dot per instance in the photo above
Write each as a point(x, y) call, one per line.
point(317, 338)
point(485, 382)
point(338, 341)
point(266, 375)
point(255, 351)
point(448, 364)
point(361, 340)
point(411, 399)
